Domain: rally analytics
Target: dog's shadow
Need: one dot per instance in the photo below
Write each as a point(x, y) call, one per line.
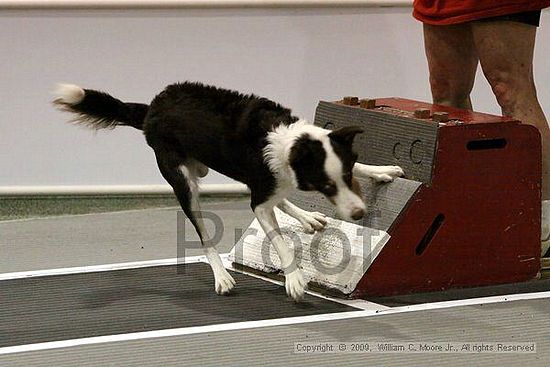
point(200, 299)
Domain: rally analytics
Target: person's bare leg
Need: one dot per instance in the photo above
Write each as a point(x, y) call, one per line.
point(505, 51)
point(506, 54)
point(452, 62)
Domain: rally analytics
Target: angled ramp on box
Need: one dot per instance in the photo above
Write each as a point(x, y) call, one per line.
point(467, 215)
point(338, 257)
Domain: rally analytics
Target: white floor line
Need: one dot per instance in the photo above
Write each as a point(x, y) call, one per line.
point(181, 331)
point(368, 309)
point(361, 304)
point(470, 302)
point(64, 216)
point(247, 325)
point(100, 268)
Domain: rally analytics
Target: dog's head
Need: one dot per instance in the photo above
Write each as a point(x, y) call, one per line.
point(323, 161)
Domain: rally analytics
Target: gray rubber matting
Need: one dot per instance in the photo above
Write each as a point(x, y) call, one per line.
point(74, 306)
point(520, 321)
point(542, 285)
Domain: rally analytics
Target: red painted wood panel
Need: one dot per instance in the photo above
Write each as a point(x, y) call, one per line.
point(488, 193)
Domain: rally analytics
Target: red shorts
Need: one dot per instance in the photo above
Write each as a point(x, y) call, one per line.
point(445, 12)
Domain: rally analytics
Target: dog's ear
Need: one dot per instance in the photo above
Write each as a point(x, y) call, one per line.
point(345, 135)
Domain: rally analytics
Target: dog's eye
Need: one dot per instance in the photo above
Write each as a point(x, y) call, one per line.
point(329, 189)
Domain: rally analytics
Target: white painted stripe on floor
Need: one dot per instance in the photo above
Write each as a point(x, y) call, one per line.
point(64, 216)
point(471, 302)
point(181, 331)
point(246, 325)
point(367, 308)
point(361, 304)
point(101, 268)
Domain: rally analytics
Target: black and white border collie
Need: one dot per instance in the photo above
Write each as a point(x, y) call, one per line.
point(191, 126)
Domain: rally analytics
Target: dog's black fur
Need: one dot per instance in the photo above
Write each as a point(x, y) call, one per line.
point(191, 126)
point(223, 129)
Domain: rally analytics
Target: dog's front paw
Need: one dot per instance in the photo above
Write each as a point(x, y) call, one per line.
point(224, 283)
point(312, 221)
point(295, 285)
point(388, 173)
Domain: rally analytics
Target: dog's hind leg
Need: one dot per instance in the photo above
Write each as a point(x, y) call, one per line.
point(182, 175)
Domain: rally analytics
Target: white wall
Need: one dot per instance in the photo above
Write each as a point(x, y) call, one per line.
point(296, 57)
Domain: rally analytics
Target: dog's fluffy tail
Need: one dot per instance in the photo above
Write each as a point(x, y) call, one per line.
point(98, 110)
